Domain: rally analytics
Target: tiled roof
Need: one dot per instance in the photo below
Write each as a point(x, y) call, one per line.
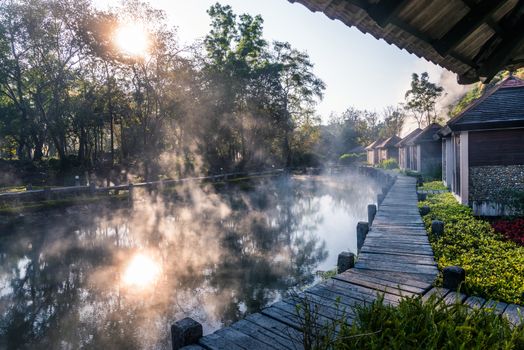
point(389, 142)
point(408, 137)
point(474, 39)
point(426, 135)
point(502, 106)
point(373, 144)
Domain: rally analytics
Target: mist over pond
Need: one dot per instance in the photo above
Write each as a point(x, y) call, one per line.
point(118, 278)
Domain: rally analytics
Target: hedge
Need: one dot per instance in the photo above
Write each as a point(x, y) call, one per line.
point(494, 266)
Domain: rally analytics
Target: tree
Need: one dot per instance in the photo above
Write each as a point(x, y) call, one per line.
point(394, 118)
point(421, 99)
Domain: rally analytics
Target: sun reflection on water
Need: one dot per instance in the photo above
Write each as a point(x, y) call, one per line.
point(141, 271)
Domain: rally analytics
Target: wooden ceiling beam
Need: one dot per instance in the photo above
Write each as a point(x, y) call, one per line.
point(477, 15)
point(504, 51)
point(385, 10)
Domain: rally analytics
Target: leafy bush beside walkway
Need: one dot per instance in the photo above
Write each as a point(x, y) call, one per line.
point(494, 266)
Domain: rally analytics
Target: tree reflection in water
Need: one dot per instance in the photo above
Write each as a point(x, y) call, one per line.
point(64, 280)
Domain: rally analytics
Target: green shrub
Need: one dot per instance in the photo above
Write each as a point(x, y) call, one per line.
point(412, 324)
point(348, 158)
point(390, 163)
point(433, 185)
point(494, 266)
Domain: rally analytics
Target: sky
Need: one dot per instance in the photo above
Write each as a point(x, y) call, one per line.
point(359, 70)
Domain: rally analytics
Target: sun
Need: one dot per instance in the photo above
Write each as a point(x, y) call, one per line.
point(141, 271)
point(132, 39)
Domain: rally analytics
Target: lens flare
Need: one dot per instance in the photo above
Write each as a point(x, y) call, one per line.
point(132, 39)
point(141, 271)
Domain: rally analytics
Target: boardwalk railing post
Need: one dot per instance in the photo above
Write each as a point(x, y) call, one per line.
point(131, 188)
point(47, 193)
point(424, 210)
point(372, 211)
point(453, 277)
point(380, 198)
point(185, 332)
point(345, 261)
point(362, 231)
point(437, 227)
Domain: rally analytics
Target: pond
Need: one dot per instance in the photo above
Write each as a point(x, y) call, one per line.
point(117, 278)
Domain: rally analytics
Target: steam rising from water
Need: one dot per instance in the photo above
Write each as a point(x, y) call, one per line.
point(198, 250)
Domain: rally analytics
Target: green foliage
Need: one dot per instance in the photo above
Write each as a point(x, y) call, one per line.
point(421, 99)
point(412, 324)
point(389, 164)
point(349, 158)
point(494, 266)
point(433, 185)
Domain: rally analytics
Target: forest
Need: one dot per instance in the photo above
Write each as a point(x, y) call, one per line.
point(72, 101)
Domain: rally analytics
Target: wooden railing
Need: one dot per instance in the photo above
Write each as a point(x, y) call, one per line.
point(92, 190)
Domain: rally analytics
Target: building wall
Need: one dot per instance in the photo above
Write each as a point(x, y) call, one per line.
point(431, 158)
point(496, 169)
point(371, 157)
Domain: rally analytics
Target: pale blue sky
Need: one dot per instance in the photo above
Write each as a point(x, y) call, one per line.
point(358, 70)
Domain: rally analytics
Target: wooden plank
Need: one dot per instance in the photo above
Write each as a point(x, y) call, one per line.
point(357, 291)
point(391, 282)
point(392, 251)
point(379, 285)
point(266, 336)
point(514, 314)
point(454, 298)
point(216, 342)
point(242, 340)
point(400, 258)
point(397, 267)
point(278, 328)
point(415, 280)
point(192, 347)
point(497, 306)
point(437, 293)
point(475, 302)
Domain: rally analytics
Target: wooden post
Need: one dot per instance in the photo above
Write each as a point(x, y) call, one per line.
point(345, 261)
point(185, 332)
point(437, 227)
point(372, 211)
point(131, 189)
point(362, 231)
point(380, 198)
point(424, 210)
point(47, 193)
point(453, 276)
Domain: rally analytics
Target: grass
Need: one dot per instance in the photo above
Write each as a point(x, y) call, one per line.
point(412, 324)
point(433, 186)
point(494, 265)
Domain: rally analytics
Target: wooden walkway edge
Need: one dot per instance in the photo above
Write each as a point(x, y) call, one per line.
point(396, 260)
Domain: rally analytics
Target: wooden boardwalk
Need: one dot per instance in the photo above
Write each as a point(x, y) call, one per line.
point(396, 260)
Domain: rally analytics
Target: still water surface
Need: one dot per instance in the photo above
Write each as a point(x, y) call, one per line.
point(116, 279)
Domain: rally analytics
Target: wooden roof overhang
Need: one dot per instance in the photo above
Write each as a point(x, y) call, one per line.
point(473, 38)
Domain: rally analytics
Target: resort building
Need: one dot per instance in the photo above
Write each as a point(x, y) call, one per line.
point(406, 154)
point(387, 149)
point(372, 152)
point(483, 150)
point(425, 152)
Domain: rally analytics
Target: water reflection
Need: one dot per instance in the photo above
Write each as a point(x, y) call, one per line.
point(117, 279)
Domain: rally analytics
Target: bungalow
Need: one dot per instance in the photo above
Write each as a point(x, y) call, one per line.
point(426, 152)
point(372, 152)
point(387, 149)
point(483, 150)
point(405, 152)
